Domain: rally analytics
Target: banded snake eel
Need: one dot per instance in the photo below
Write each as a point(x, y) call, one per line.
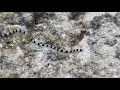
point(25, 32)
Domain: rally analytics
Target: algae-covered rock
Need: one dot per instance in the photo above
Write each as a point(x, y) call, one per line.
point(12, 76)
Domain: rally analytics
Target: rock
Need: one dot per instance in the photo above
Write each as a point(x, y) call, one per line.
point(30, 43)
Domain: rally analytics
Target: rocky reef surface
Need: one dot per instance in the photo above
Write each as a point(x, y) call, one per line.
point(59, 44)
